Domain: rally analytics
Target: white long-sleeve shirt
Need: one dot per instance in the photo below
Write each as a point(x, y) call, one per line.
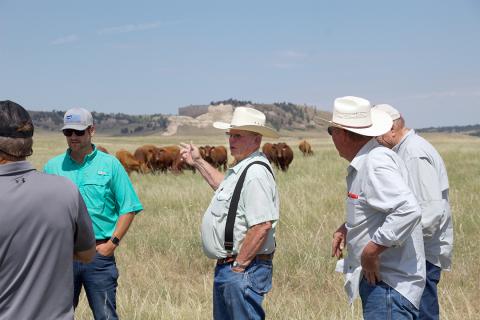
point(429, 182)
point(381, 208)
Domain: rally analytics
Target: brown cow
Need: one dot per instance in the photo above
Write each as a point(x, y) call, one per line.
point(305, 148)
point(103, 149)
point(166, 157)
point(202, 151)
point(148, 156)
point(267, 149)
point(129, 162)
point(284, 155)
point(179, 165)
point(216, 156)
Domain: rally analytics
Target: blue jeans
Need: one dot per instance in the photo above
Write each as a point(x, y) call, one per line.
point(99, 278)
point(382, 302)
point(429, 309)
point(240, 295)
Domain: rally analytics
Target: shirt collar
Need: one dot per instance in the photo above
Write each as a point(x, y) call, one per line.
point(239, 166)
point(408, 134)
point(360, 156)
point(15, 167)
point(87, 159)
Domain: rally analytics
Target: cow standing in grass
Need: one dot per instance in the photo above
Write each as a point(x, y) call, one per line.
point(283, 155)
point(305, 148)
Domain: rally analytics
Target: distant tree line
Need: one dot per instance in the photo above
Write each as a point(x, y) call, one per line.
point(119, 122)
point(233, 102)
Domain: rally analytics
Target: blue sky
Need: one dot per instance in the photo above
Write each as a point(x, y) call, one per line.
point(143, 57)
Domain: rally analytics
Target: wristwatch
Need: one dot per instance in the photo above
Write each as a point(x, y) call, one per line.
point(238, 265)
point(115, 240)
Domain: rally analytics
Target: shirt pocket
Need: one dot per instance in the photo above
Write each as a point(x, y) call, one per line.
point(94, 193)
point(222, 202)
point(355, 212)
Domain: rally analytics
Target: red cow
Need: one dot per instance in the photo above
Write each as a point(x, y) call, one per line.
point(128, 161)
point(216, 156)
point(148, 156)
point(305, 148)
point(284, 155)
point(267, 149)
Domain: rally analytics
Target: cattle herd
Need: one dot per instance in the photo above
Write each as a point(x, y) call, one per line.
point(152, 159)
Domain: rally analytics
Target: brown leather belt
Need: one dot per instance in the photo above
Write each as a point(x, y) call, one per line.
point(100, 241)
point(231, 259)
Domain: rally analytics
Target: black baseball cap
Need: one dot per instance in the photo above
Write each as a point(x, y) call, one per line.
point(15, 122)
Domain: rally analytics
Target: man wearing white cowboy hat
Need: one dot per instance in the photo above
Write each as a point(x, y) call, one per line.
point(385, 262)
point(429, 181)
point(238, 228)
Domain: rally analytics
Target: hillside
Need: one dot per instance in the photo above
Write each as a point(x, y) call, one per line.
point(111, 124)
point(285, 116)
point(472, 130)
point(291, 119)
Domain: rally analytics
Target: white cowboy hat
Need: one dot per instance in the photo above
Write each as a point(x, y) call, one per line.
point(248, 119)
point(356, 115)
point(388, 109)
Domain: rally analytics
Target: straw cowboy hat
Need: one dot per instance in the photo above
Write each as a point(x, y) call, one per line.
point(249, 119)
point(357, 115)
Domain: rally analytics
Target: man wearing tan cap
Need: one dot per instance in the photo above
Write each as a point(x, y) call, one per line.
point(385, 262)
point(112, 204)
point(238, 228)
point(429, 182)
point(44, 226)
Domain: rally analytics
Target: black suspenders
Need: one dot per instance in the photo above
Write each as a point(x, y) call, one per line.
point(232, 210)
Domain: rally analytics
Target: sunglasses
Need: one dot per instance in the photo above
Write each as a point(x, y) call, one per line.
point(69, 132)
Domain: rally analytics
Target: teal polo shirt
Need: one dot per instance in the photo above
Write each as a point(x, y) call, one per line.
point(104, 186)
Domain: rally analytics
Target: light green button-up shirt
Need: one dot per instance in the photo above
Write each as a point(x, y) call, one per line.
point(259, 202)
point(104, 186)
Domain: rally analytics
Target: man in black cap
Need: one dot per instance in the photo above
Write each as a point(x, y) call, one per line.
point(43, 225)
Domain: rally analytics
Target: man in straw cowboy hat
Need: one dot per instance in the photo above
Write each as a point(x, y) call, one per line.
point(385, 264)
point(429, 181)
point(238, 227)
point(44, 226)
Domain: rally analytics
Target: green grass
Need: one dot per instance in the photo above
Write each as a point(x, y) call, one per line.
point(164, 274)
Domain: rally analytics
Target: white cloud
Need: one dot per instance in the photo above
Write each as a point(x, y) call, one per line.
point(130, 28)
point(67, 39)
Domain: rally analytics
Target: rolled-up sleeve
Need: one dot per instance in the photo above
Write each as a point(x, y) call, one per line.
point(387, 191)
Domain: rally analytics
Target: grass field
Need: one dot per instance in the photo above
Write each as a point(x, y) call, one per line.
point(164, 274)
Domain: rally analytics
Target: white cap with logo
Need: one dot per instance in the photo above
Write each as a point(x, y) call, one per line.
point(77, 119)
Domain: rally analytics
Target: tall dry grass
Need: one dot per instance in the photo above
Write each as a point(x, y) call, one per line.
point(164, 274)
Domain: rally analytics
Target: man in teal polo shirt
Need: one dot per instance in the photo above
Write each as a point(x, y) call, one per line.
point(111, 202)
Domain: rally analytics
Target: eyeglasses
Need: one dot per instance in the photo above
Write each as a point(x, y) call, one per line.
point(238, 136)
point(69, 132)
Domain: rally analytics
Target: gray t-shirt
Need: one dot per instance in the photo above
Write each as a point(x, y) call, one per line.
point(43, 220)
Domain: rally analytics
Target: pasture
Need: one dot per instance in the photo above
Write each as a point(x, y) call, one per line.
point(164, 274)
